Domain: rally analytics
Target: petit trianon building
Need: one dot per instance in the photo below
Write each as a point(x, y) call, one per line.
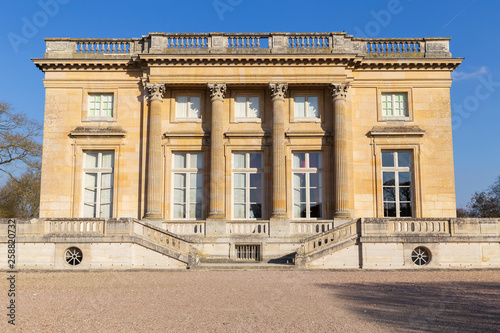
point(308, 150)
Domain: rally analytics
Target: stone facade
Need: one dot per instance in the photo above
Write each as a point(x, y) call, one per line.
point(241, 139)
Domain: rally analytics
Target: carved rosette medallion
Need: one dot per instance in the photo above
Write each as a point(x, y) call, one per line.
point(154, 91)
point(217, 91)
point(278, 90)
point(339, 90)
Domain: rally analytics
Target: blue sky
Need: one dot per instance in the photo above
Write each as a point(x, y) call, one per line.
point(473, 25)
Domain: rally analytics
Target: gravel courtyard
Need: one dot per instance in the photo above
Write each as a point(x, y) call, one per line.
point(256, 301)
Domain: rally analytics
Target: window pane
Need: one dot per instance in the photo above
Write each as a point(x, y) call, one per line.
point(239, 180)
point(196, 180)
point(389, 194)
point(389, 209)
point(315, 195)
point(181, 107)
point(91, 180)
point(299, 180)
point(106, 196)
point(179, 161)
point(405, 194)
point(194, 107)
point(315, 180)
point(240, 107)
point(303, 212)
point(239, 195)
point(88, 210)
point(256, 195)
point(253, 107)
point(404, 159)
point(107, 180)
point(255, 161)
point(299, 107)
point(296, 211)
point(105, 210)
point(239, 211)
point(405, 210)
point(107, 160)
point(179, 211)
point(179, 195)
point(195, 211)
point(299, 195)
point(256, 211)
point(315, 210)
point(404, 179)
point(196, 161)
point(299, 160)
point(315, 160)
point(256, 180)
point(195, 195)
point(389, 179)
point(387, 159)
point(179, 180)
point(90, 196)
point(239, 161)
point(312, 107)
point(91, 160)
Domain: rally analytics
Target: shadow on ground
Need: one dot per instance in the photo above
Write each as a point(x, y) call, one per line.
point(425, 307)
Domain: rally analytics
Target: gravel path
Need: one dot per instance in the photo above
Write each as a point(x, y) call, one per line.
point(256, 301)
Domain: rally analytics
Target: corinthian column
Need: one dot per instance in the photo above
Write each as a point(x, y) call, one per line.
point(340, 151)
point(217, 92)
point(278, 91)
point(154, 94)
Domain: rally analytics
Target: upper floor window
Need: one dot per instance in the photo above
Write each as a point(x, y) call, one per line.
point(306, 107)
point(101, 105)
point(98, 184)
point(188, 185)
point(187, 107)
point(247, 185)
point(307, 185)
point(394, 105)
point(397, 183)
point(246, 107)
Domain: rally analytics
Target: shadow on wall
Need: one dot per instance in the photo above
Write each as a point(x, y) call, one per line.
point(426, 307)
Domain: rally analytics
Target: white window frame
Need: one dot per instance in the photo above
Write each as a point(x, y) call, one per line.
point(190, 115)
point(247, 107)
point(99, 171)
point(307, 170)
point(397, 170)
point(247, 171)
point(306, 116)
point(394, 106)
point(187, 171)
point(101, 102)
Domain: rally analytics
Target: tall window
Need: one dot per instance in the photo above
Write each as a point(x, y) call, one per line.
point(307, 171)
point(98, 184)
point(188, 186)
point(187, 107)
point(247, 185)
point(397, 183)
point(101, 105)
point(394, 105)
point(246, 107)
point(306, 107)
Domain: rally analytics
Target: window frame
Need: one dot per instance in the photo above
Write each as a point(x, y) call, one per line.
point(319, 94)
point(99, 171)
point(188, 170)
point(408, 92)
point(397, 170)
point(309, 170)
point(173, 106)
point(247, 170)
point(86, 96)
point(246, 93)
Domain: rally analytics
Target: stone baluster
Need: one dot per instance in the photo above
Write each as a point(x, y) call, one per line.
point(280, 224)
point(340, 151)
point(217, 212)
point(154, 94)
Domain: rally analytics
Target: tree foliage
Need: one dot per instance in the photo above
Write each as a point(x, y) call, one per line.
point(20, 154)
point(485, 203)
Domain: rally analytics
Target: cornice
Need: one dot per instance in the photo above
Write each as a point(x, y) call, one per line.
point(95, 131)
point(407, 64)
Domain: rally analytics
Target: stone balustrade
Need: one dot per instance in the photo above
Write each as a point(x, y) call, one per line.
point(68, 227)
point(185, 228)
point(249, 43)
point(247, 228)
point(161, 237)
point(310, 227)
point(426, 227)
point(329, 238)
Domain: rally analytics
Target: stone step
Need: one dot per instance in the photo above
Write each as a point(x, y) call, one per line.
point(243, 266)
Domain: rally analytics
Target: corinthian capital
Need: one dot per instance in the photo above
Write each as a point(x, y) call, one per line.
point(217, 90)
point(278, 90)
point(154, 91)
point(339, 90)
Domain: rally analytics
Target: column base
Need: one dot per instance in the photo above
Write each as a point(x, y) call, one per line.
point(153, 216)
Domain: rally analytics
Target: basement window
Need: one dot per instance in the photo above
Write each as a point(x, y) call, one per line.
point(73, 256)
point(248, 252)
